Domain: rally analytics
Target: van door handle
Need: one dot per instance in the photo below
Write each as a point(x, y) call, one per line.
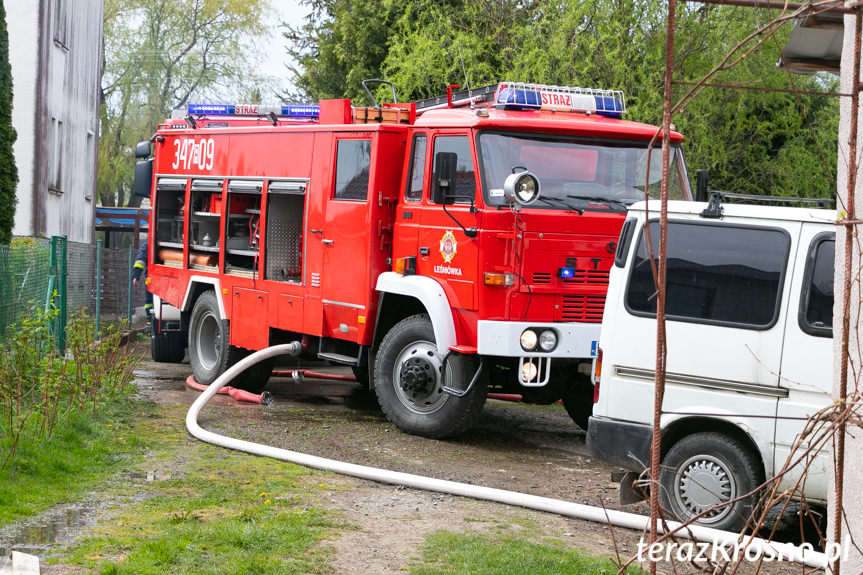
point(328, 242)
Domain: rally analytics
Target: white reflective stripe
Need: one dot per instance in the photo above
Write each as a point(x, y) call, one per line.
point(205, 280)
point(431, 295)
point(344, 304)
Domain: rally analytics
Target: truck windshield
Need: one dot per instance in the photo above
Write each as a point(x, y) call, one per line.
point(577, 174)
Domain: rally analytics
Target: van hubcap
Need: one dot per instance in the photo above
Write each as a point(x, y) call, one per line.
point(704, 482)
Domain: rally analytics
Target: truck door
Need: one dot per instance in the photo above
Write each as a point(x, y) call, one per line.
point(346, 239)
point(807, 359)
point(446, 252)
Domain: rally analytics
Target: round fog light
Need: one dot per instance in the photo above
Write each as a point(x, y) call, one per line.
point(528, 371)
point(547, 340)
point(528, 340)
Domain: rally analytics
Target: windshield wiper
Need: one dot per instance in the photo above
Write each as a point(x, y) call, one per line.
point(623, 205)
point(559, 202)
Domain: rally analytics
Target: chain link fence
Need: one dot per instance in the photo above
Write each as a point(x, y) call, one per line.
point(29, 276)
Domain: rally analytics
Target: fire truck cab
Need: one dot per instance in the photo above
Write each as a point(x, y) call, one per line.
point(441, 249)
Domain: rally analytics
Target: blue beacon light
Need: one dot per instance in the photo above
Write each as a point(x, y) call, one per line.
point(566, 273)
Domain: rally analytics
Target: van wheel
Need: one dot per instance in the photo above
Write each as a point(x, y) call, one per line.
point(706, 469)
point(210, 352)
point(167, 347)
point(578, 399)
point(409, 382)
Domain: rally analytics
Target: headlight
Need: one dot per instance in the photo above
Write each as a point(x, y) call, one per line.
point(528, 340)
point(547, 340)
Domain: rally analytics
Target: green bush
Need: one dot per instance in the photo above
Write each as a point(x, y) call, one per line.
point(42, 390)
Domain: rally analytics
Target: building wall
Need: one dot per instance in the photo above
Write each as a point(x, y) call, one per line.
point(23, 26)
point(853, 464)
point(57, 55)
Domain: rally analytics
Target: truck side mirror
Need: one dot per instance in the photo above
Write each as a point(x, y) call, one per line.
point(143, 182)
point(701, 185)
point(444, 181)
point(142, 149)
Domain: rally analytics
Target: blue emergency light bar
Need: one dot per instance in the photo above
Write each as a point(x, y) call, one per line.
point(299, 111)
point(521, 96)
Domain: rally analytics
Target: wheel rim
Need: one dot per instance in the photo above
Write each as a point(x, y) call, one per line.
point(209, 341)
point(417, 378)
point(702, 482)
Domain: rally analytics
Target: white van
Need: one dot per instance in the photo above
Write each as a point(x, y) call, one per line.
point(749, 309)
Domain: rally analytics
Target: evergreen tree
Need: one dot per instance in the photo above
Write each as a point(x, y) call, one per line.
point(8, 171)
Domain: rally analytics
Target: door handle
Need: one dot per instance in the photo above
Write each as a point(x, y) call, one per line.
point(327, 241)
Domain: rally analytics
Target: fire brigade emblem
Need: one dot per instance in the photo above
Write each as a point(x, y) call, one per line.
point(448, 246)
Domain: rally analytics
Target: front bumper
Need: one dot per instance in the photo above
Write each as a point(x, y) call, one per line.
point(622, 443)
point(501, 338)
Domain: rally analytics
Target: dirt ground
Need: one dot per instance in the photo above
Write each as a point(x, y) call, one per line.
point(532, 449)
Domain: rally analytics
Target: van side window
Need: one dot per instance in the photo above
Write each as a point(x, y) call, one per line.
point(353, 159)
point(414, 193)
point(465, 180)
point(816, 300)
point(623, 243)
point(718, 274)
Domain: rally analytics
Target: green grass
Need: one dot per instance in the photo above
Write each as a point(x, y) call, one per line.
point(81, 454)
point(219, 511)
point(468, 554)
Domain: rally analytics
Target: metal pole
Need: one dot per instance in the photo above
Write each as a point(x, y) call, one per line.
point(814, 7)
point(98, 288)
point(129, 282)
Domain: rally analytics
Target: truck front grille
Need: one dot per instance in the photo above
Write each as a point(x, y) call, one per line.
point(587, 308)
point(595, 277)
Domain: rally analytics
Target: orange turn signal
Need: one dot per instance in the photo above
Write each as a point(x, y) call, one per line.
point(406, 266)
point(497, 279)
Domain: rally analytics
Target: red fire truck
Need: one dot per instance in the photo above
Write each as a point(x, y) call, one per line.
point(442, 249)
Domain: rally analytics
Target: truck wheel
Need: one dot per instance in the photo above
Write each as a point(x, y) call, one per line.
point(408, 382)
point(705, 469)
point(167, 347)
point(578, 399)
point(211, 355)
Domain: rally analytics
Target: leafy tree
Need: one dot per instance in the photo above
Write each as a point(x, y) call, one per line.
point(8, 171)
point(156, 55)
point(755, 142)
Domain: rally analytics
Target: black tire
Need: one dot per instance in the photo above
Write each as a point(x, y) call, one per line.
point(210, 352)
point(578, 399)
point(707, 468)
point(167, 347)
point(408, 357)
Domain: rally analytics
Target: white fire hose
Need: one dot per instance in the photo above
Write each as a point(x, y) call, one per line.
point(714, 537)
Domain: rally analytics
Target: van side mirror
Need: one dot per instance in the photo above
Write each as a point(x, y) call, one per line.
point(143, 182)
point(142, 149)
point(443, 191)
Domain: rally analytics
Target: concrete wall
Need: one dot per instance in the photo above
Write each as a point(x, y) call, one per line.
point(55, 51)
point(853, 495)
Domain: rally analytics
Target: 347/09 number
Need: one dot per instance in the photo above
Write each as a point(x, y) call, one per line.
point(191, 153)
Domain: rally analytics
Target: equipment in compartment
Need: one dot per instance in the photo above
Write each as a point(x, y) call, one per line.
point(242, 229)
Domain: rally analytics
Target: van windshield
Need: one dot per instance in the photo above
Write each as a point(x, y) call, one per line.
point(578, 173)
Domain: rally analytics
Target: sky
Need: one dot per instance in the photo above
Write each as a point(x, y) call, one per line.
point(274, 51)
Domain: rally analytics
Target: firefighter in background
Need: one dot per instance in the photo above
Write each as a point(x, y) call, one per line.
point(139, 272)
